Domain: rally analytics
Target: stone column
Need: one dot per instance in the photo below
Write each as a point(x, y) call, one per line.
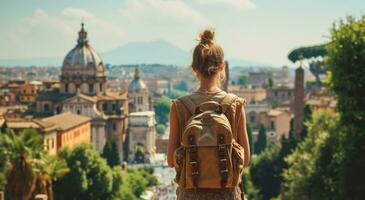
point(299, 100)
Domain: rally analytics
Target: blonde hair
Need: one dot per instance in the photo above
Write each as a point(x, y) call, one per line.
point(208, 56)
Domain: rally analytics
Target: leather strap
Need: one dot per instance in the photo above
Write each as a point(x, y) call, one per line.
point(223, 162)
point(194, 164)
point(227, 101)
point(189, 104)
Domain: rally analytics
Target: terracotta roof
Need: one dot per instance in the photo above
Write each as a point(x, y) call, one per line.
point(67, 120)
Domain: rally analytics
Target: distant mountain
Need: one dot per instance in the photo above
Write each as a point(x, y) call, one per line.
point(155, 52)
point(159, 51)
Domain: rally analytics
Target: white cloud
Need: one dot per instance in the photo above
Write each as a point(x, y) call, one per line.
point(45, 34)
point(247, 4)
point(77, 13)
point(176, 10)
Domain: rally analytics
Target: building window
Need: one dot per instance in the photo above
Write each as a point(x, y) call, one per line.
point(66, 87)
point(105, 107)
point(114, 126)
point(77, 87)
point(276, 93)
point(78, 112)
point(252, 119)
point(140, 100)
point(272, 125)
point(289, 94)
point(101, 87)
point(114, 107)
point(91, 88)
point(46, 107)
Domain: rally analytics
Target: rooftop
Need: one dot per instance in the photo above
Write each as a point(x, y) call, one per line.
point(67, 120)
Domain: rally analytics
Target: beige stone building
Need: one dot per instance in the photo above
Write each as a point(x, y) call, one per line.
point(138, 93)
point(281, 96)
point(277, 123)
point(142, 131)
point(250, 94)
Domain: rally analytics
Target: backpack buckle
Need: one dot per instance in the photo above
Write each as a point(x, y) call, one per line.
point(192, 149)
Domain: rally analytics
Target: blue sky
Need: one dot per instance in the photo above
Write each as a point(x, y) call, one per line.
point(258, 30)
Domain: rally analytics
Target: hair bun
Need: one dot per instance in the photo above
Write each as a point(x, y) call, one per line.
point(207, 36)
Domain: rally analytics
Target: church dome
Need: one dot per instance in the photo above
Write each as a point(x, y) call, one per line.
point(137, 84)
point(83, 59)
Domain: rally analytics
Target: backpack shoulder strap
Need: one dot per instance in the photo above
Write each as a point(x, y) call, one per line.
point(227, 101)
point(188, 103)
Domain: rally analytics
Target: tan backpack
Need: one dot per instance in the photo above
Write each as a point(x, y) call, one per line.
point(209, 156)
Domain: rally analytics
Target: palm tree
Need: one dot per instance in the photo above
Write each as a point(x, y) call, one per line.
point(48, 169)
point(21, 150)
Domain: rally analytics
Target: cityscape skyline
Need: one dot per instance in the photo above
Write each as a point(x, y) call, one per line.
point(257, 31)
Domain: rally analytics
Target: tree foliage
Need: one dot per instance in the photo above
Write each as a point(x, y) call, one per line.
point(160, 129)
point(307, 52)
point(174, 94)
point(346, 65)
point(262, 140)
point(162, 108)
point(243, 79)
point(250, 139)
point(26, 168)
point(265, 174)
point(91, 178)
point(111, 154)
point(304, 178)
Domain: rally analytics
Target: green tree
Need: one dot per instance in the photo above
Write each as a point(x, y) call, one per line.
point(248, 187)
point(89, 178)
point(107, 151)
point(139, 156)
point(114, 154)
point(270, 82)
point(21, 150)
point(243, 79)
point(261, 141)
point(346, 66)
point(160, 129)
point(111, 154)
point(47, 170)
point(304, 177)
point(313, 55)
point(250, 139)
point(265, 174)
point(174, 94)
point(307, 119)
point(162, 108)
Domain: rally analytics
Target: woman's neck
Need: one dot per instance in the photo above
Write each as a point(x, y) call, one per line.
point(208, 86)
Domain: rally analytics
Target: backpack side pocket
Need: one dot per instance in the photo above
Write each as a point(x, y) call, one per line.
point(238, 154)
point(179, 155)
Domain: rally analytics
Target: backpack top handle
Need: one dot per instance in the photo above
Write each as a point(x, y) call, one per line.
point(209, 105)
